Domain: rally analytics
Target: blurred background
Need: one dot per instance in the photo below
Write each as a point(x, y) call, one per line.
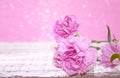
point(33, 20)
point(23, 22)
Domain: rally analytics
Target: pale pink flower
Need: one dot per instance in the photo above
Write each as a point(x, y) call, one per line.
point(107, 51)
point(64, 28)
point(75, 55)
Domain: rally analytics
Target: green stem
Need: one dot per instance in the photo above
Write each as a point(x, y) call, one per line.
point(108, 34)
point(97, 41)
point(97, 48)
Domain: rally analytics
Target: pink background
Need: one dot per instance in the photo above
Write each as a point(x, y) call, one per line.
point(33, 20)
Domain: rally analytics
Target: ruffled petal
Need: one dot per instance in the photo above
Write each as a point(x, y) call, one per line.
point(91, 56)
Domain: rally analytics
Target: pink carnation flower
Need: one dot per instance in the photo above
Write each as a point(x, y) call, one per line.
point(75, 55)
point(108, 51)
point(64, 28)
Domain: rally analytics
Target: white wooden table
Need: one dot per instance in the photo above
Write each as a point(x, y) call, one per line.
point(35, 59)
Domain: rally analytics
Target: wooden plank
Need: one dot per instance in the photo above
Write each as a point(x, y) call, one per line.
point(35, 60)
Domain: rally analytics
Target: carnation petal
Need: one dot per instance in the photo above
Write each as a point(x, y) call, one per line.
point(83, 68)
point(68, 69)
point(91, 56)
point(82, 42)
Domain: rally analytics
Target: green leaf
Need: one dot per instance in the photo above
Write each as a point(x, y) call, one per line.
point(109, 34)
point(114, 56)
point(96, 41)
point(97, 48)
point(77, 34)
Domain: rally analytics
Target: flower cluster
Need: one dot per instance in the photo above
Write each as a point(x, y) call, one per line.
point(110, 55)
point(74, 53)
point(65, 28)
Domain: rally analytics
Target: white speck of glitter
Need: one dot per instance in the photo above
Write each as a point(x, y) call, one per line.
point(32, 13)
point(89, 14)
point(27, 16)
point(40, 2)
point(43, 35)
point(33, 38)
point(68, 1)
point(4, 6)
point(107, 2)
point(29, 22)
point(45, 20)
point(39, 13)
point(54, 13)
point(84, 5)
point(43, 27)
point(48, 35)
point(47, 11)
point(21, 26)
point(51, 38)
point(12, 6)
